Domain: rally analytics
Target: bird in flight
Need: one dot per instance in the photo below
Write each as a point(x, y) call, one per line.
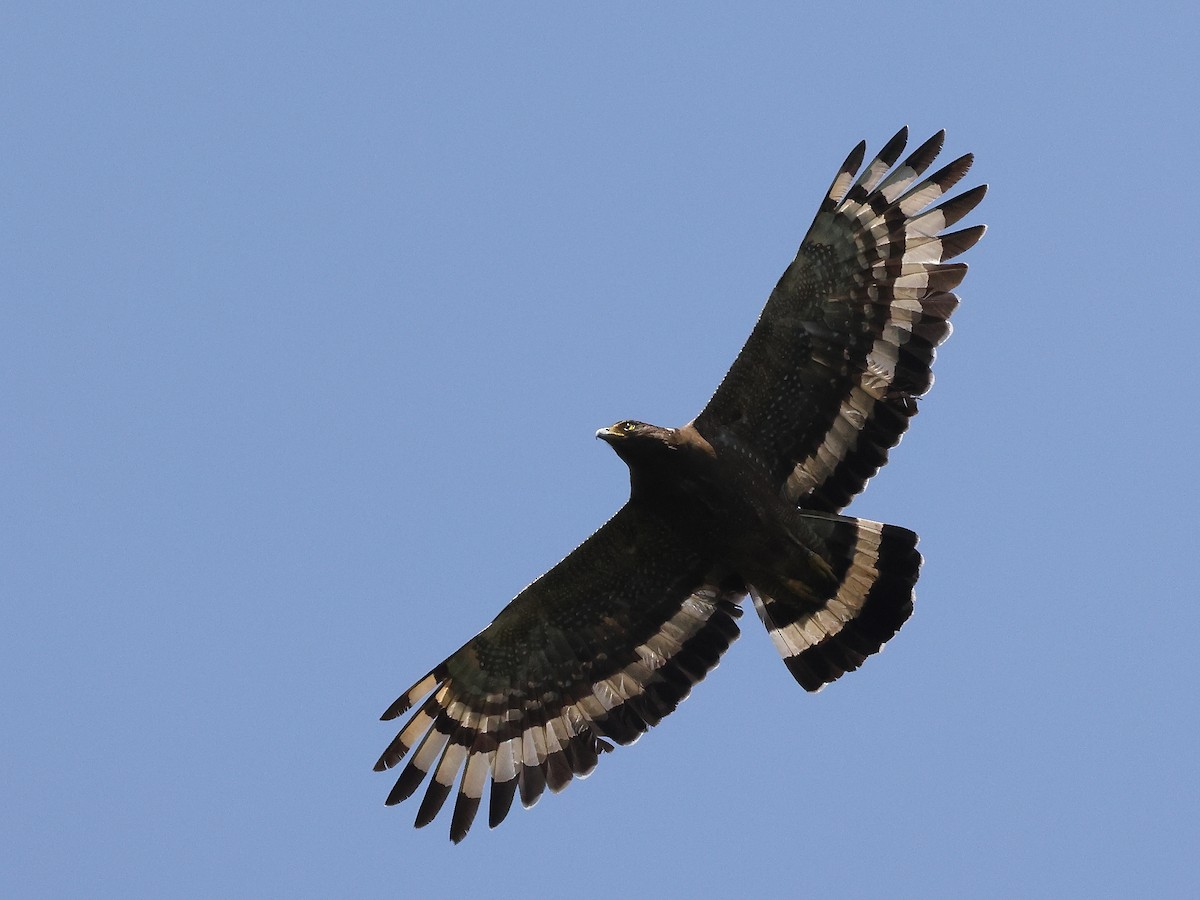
point(744, 499)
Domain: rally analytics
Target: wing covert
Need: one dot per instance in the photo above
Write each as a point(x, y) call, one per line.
point(600, 648)
point(828, 379)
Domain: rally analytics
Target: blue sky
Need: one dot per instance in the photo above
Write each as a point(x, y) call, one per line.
point(309, 316)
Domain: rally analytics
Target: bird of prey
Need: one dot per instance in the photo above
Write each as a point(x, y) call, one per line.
point(744, 499)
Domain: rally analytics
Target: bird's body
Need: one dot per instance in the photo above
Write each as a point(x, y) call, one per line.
point(743, 499)
point(719, 502)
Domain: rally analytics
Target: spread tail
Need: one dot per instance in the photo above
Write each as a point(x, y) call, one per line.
point(824, 633)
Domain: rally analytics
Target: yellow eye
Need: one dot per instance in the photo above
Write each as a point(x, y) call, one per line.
point(627, 426)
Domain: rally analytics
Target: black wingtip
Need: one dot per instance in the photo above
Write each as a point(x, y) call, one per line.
point(501, 801)
point(893, 148)
point(398, 708)
point(406, 785)
point(431, 803)
point(855, 160)
point(845, 177)
point(925, 154)
point(958, 242)
point(531, 782)
point(958, 207)
point(464, 815)
point(395, 752)
point(956, 168)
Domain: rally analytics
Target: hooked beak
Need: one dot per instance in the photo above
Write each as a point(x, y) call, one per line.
point(607, 434)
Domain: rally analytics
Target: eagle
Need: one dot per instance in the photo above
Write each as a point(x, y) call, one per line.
point(744, 499)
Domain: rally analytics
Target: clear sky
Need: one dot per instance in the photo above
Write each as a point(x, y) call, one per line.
point(309, 314)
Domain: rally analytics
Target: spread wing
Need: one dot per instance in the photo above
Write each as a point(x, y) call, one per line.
point(604, 645)
point(829, 377)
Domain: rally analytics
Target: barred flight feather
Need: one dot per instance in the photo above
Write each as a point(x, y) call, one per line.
point(526, 744)
point(829, 379)
point(898, 254)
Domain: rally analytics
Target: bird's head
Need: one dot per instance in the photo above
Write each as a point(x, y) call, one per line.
point(636, 441)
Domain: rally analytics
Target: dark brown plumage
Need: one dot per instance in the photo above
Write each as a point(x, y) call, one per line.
point(741, 500)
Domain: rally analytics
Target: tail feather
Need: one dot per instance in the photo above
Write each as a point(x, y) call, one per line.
point(876, 567)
